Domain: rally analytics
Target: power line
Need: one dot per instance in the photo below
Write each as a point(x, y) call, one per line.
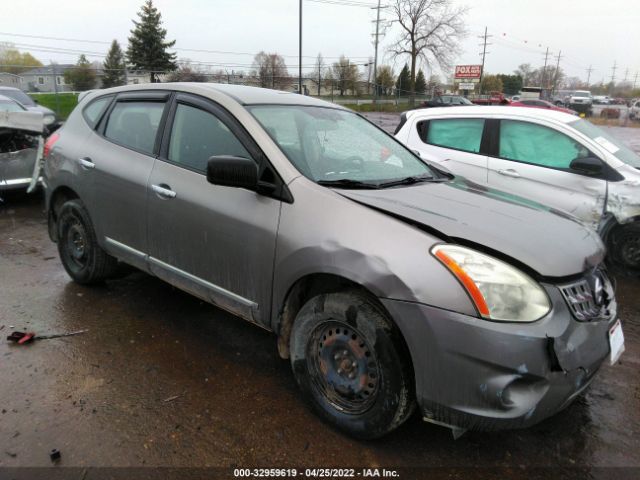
point(195, 50)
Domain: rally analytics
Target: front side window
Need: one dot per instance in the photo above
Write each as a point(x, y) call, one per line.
point(538, 145)
point(9, 106)
point(332, 145)
point(135, 124)
point(197, 135)
point(457, 133)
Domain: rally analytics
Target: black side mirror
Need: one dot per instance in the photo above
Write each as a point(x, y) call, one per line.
point(587, 166)
point(230, 171)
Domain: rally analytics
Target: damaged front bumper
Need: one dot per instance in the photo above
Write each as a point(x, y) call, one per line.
point(21, 147)
point(473, 374)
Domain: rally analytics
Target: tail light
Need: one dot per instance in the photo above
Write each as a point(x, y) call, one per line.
point(53, 138)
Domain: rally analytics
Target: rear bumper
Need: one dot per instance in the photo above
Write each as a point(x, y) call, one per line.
point(480, 375)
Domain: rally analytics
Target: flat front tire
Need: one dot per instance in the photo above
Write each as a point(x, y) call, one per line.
point(83, 259)
point(351, 364)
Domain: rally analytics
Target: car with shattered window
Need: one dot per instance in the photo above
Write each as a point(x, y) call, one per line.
point(551, 157)
point(388, 284)
point(21, 145)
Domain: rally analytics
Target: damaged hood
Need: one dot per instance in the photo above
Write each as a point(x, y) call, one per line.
point(26, 121)
point(547, 241)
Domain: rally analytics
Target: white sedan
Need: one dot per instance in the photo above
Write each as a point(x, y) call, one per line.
point(551, 157)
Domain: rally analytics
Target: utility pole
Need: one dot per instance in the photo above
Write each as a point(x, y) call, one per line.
point(613, 73)
point(635, 80)
point(589, 70)
point(555, 77)
point(544, 69)
point(626, 75)
point(300, 53)
point(55, 87)
point(484, 53)
point(375, 57)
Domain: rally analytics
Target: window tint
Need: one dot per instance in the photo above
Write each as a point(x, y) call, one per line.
point(197, 135)
point(135, 124)
point(531, 143)
point(93, 111)
point(460, 133)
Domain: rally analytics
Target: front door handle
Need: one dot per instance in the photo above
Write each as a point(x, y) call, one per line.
point(509, 173)
point(163, 191)
point(86, 162)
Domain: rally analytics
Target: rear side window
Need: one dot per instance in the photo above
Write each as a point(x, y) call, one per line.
point(135, 124)
point(460, 133)
point(197, 135)
point(538, 145)
point(95, 109)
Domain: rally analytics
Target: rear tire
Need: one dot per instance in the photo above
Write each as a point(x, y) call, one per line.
point(624, 248)
point(83, 259)
point(351, 364)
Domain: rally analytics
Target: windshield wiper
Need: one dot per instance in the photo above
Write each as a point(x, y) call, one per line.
point(348, 183)
point(410, 181)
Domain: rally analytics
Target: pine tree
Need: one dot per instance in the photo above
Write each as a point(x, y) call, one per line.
point(114, 67)
point(403, 84)
point(421, 83)
point(147, 46)
point(81, 77)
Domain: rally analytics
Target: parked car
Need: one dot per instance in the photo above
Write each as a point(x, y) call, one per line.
point(601, 100)
point(20, 145)
point(515, 98)
point(580, 101)
point(542, 104)
point(445, 101)
point(49, 117)
point(634, 110)
point(560, 97)
point(386, 281)
point(551, 157)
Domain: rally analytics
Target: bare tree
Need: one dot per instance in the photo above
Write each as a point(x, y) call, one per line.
point(319, 71)
point(271, 70)
point(431, 31)
point(186, 73)
point(345, 74)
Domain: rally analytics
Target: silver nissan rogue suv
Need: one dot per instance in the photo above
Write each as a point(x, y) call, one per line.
point(387, 282)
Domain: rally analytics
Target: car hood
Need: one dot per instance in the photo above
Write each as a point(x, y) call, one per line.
point(550, 242)
point(40, 108)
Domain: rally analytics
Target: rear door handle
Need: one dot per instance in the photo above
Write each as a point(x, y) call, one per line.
point(86, 162)
point(163, 191)
point(509, 173)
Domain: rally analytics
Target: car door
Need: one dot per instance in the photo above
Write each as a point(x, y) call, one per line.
point(216, 242)
point(533, 161)
point(121, 159)
point(456, 143)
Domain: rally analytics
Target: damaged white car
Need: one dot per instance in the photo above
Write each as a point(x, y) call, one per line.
point(550, 157)
point(21, 145)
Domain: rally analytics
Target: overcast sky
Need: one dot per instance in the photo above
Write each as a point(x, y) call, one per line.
point(588, 32)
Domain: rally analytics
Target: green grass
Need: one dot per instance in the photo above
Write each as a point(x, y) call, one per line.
point(380, 107)
point(65, 103)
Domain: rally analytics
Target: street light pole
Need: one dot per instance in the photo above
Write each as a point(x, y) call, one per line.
point(300, 53)
point(375, 58)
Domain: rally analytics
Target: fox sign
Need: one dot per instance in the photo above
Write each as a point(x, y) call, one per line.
point(468, 71)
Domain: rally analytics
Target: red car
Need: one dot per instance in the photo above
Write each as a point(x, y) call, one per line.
point(535, 103)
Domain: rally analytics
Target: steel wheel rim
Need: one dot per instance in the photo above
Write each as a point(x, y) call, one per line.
point(630, 249)
point(76, 244)
point(344, 369)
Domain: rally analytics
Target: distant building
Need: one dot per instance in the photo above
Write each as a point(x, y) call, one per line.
point(10, 80)
point(42, 79)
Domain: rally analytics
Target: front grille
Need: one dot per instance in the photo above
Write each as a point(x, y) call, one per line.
point(589, 298)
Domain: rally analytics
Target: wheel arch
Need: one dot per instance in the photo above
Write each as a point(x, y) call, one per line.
point(57, 198)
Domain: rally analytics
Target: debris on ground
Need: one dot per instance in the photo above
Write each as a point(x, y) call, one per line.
point(54, 455)
point(175, 397)
point(27, 337)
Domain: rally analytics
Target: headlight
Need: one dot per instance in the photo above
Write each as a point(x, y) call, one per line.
point(49, 119)
point(498, 290)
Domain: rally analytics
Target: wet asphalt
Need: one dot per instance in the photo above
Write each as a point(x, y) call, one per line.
point(163, 379)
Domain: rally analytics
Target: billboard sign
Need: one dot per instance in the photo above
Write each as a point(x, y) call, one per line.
point(468, 71)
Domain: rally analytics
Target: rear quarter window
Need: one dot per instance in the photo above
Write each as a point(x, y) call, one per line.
point(93, 112)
